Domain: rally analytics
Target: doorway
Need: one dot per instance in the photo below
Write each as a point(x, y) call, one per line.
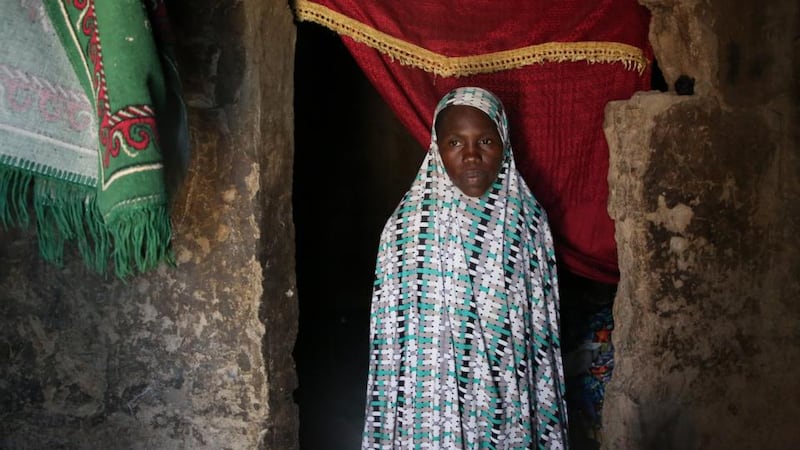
point(353, 163)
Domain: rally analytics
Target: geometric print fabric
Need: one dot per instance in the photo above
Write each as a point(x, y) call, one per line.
point(464, 339)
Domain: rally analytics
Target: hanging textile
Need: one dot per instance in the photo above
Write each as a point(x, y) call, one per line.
point(554, 64)
point(81, 86)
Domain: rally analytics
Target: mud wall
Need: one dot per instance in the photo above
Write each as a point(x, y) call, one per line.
point(195, 356)
point(704, 193)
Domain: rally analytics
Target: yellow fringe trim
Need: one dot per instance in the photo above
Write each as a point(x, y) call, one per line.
point(456, 66)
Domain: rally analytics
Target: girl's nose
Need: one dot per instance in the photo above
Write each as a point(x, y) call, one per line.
point(471, 150)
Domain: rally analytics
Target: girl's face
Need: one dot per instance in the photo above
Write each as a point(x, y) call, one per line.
point(470, 147)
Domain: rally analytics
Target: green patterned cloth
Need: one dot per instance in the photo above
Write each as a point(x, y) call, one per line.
point(81, 84)
point(464, 338)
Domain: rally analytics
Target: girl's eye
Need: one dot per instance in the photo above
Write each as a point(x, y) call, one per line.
point(454, 143)
point(486, 141)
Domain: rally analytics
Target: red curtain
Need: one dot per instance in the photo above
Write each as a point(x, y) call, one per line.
point(585, 53)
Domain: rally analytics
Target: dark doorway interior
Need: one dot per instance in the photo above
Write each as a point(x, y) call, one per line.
point(353, 162)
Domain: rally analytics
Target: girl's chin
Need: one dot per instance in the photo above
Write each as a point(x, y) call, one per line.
point(473, 190)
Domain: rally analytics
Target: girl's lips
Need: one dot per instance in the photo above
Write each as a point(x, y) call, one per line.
point(473, 174)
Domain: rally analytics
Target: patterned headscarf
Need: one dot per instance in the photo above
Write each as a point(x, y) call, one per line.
point(464, 348)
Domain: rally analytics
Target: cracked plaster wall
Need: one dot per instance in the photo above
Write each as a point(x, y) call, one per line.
point(704, 193)
point(196, 356)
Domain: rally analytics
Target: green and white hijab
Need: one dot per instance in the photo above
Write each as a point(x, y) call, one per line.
point(464, 345)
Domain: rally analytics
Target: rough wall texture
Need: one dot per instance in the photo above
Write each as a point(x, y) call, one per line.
point(704, 193)
point(197, 356)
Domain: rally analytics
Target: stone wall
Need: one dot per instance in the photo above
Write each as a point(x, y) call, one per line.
point(196, 356)
point(704, 193)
